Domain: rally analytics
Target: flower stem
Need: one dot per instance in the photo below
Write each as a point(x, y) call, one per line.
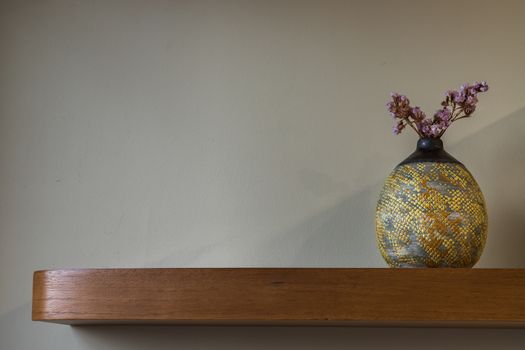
point(463, 116)
point(413, 127)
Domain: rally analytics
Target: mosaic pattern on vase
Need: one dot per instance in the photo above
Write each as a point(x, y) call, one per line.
point(431, 214)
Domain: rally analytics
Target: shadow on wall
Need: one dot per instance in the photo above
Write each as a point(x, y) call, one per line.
point(341, 236)
point(293, 338)
point(496, 158)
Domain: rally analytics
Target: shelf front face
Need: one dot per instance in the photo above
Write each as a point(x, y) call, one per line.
point(282, 296)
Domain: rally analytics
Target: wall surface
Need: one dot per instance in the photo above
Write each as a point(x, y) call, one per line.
point(239, 133)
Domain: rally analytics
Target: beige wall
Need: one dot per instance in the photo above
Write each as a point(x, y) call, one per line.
point(238, 133)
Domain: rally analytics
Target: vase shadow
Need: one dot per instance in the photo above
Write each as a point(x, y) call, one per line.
point(496, 157)
point(340, 236)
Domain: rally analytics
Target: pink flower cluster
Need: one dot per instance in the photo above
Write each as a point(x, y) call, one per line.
point(458, 104)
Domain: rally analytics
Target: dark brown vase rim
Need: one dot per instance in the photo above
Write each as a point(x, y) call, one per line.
point(430, 150)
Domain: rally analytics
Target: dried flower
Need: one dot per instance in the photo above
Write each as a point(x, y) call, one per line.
point(399, 107)
point(458, 104)
point(417, 114)
point(398, 126)
point(443, 115)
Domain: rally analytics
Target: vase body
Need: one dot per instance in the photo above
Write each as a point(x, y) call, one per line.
point(431, 212)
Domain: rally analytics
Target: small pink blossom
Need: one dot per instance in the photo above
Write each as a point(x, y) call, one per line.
point(398, 126)
point(417, 114)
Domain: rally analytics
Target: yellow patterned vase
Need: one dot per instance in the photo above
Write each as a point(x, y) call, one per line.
point(431, 212)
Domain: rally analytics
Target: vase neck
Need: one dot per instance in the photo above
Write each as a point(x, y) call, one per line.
point(429, 144)
point(430, 150)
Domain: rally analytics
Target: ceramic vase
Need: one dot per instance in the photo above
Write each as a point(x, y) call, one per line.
point(431, 211)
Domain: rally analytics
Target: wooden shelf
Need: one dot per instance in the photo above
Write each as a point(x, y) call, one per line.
point(282, 296)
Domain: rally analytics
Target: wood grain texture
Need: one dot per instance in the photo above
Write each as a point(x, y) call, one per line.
point(282, 296)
